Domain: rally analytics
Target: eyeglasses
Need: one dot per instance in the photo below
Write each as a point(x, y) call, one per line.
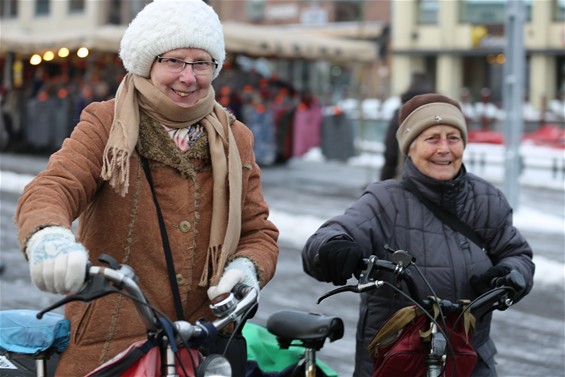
point(199, 67)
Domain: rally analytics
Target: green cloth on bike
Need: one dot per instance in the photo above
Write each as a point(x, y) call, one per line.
point(262, 347)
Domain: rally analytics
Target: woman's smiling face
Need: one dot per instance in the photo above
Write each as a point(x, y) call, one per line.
point(438, 152)
point(184, 87)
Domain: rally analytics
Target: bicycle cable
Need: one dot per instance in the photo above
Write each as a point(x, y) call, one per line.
point(468, 307)
point(444, 323)
point(159, 314)
point(239, 326)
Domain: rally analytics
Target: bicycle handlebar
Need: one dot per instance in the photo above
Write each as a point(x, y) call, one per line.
point(499, 297)
point(122, 277)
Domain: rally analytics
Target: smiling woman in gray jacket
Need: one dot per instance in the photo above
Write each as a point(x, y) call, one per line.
point(433, 136)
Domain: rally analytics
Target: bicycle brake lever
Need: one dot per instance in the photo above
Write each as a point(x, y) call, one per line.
point(481, 314)
point(352, 288)
point(400, 260)
point(97, 287)
point(345, 288)
point(502, 303)
point(365, 275)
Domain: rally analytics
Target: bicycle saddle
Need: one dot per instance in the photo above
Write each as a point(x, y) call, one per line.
point(21, 332)
point(310, 328)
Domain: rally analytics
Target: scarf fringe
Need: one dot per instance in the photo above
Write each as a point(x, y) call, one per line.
point(210, 264)
point(216, 260)
point(115, 169)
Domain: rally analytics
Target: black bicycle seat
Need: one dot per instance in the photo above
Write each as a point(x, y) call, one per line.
point(312, 329)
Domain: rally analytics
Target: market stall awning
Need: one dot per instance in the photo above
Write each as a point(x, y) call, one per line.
point(286, 42)
point(352, 30)
point(104, 38)
point(252, 40)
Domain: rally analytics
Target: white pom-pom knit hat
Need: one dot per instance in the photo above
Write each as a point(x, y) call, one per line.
point(166, 25)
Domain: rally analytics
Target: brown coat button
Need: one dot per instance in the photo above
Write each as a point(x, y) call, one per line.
point(180, 279)
point(184, 226)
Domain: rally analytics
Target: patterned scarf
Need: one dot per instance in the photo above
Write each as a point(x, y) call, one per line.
point(136, 92)
point(185, 137)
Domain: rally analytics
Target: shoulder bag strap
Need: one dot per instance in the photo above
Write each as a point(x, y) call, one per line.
point(166, 245)
point(449, 219)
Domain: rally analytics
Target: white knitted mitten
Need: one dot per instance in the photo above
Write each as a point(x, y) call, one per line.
point(57, 262)
point(240, 270)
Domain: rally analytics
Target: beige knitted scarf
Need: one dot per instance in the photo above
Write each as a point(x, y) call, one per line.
point(135, 93)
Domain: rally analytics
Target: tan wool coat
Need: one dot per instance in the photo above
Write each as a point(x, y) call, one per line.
point(127, 227)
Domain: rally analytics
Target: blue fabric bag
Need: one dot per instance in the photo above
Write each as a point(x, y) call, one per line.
point(22, 332)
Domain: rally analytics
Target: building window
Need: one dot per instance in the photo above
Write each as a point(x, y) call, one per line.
point(114, 12)
point(559, 11)
point(428, 11)
point(76, 6)
point(349, 10)
point(42, 7)
point(487, 12)
point(255, 10)
point(8, 8)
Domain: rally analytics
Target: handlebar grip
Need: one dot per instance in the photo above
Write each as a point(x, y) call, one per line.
point(386, 265)
point(514, 279)
point(240, 290)
point(87, 271)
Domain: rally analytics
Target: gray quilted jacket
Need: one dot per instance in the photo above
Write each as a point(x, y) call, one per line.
point(388, 214)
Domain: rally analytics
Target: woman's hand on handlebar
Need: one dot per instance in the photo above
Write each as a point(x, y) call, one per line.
point(483, 283)
point(240, 270)
point(57, 262)
point(338, 260)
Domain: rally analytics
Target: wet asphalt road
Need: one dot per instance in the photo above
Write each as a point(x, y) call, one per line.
point(530, 336)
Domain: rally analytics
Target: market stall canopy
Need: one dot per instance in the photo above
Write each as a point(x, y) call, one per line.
point(294, 43)
point(351, 29)
point(252, 40)
point(104, 38)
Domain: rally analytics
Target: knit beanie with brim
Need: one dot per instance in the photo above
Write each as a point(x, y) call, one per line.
point(427, 110)
point(166, 25)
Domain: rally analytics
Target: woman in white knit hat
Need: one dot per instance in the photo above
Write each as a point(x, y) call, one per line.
point(432, 135)
point(203, 171)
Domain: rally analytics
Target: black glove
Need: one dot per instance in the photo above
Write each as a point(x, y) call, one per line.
point(338, 260)
point(483, 283)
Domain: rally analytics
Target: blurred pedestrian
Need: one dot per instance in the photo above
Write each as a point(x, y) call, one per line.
point(393, 159)
point(164, 134)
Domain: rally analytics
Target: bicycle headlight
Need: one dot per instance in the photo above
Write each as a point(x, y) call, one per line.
point(214, 366)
